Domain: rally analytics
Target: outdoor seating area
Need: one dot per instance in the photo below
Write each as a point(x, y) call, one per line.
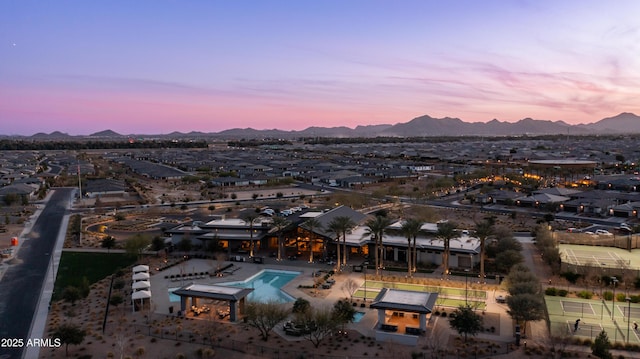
point(200, 310)
point(231, 270)
point(223, 313)
point(295, 330)
point(388, 327)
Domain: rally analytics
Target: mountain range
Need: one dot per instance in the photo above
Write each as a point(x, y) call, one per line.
point(423, 126)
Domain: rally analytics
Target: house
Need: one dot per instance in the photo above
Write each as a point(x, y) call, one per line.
point(229, 182)
point(104, 188)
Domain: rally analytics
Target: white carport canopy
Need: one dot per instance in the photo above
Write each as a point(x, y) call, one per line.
point(140, 276)
point(140, 268)
point(142, 284)
point(140, 295)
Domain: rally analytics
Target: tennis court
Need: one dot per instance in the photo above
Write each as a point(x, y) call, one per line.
point(600, 257)
point(625, 310)
point(585, 328)
point(580, 308)
point(594, 316)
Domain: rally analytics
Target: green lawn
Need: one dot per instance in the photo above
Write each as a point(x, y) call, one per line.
point(74, 266)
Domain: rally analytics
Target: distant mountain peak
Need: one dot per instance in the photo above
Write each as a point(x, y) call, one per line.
point(106, 133)
point(422, 126)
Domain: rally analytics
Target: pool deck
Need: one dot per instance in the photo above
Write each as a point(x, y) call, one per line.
point(325, 297)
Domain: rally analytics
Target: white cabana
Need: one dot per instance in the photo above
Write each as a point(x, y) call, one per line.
point(140, 276)
point(140, 268)
point(139, 285)
point(140, 295)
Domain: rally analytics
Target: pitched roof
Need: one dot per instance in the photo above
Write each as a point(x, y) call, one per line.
point(405, 300)
point(343, 211)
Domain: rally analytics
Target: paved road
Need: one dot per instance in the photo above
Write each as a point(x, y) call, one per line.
point(21, 285)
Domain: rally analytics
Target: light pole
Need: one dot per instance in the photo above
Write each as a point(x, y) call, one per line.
point(364, 270)
point(466, 280)
point(628, 299)
point(614, 280)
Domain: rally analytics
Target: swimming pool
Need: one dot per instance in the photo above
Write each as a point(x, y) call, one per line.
point(267, 285)
point(173, 297)
point(357, 316)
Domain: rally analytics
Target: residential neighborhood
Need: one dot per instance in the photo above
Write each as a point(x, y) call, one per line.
point(378, 223)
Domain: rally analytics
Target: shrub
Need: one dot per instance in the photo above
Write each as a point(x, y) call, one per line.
point(621, 297)
point(571, 276)
point(551, 291)
point(562, 292)
point(607, 295)
point(585, 294)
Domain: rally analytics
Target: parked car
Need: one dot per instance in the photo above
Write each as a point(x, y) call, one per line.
point(625, 227)
point(603, 232)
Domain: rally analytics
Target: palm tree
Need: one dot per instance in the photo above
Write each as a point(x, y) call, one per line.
point(249, 218)
point(483, 231)
point(446, 232)
point(336, 228)
point(279, 225)
point(344, 224)
point(311, 225)
point(410, 228)
point(375, 228)
point(415, 251)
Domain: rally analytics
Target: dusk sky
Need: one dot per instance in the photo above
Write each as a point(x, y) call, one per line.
point(155, 67)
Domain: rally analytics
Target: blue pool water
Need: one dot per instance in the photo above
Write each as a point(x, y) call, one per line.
point(357, 316)
point(267, 285)
point(173, 297)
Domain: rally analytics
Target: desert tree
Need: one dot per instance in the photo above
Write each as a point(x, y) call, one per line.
point(349, 287)
point(71, 294)
point(343, 313)
point(69, 334)
point(137, 244)
point(108, 242)
point(319, 324)
point(265, 316)
point(301, 307)
point(465, 321)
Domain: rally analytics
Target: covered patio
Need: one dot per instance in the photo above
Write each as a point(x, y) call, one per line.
point(402, 314)
point(233, 296)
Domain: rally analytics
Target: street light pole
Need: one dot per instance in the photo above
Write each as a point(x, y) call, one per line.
point(466, 280)
point(628, 299)
point(364, 269)
point(614, 280)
